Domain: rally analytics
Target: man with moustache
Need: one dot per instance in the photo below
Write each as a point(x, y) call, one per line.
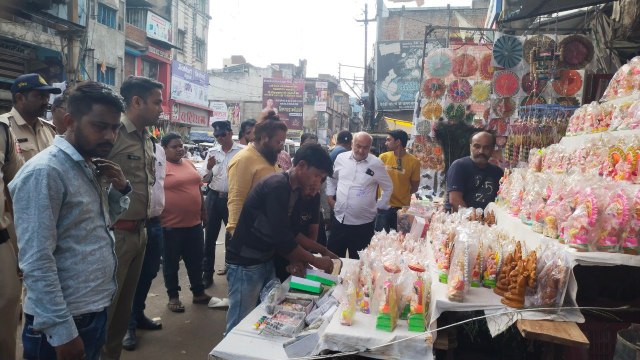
point(134, 152)
point(245, 136)
point(58, 109)
point(254, 162)
point(472, 181)
point(63, 213)
point(30, 96)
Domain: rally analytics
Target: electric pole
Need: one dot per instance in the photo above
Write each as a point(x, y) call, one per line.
point(369, 109)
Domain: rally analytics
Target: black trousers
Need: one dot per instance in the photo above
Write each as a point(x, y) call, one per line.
point(349, 237)
point(185, 243)
point(217, 212)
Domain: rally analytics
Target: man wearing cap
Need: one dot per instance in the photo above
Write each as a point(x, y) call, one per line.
point(30, 97)
point(343, 144)
point(404, 171)
point(218, 159)
point(10, 163)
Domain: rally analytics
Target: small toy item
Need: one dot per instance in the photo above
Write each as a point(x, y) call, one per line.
point(260, 322)
point(388, 310)
point(631, 238)
point(418, 299)
point(615, 216)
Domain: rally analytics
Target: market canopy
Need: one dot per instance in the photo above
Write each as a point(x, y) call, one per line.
point(531, 9)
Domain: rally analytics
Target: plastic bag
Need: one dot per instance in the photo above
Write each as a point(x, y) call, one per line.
point(273, 294)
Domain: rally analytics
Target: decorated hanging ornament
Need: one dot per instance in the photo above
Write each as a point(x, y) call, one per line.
point(499, 126)
point(480, 91)
point(569, 83)
point(486, 69)
point(438, 63)
point(454, 112)
point(577, 51)
point(529, 86)
point(503, 107)
point(533, 100)
point(506, 83)
point(434, 88)
point(567, 101)
point(542, 43)
point(459, 90)
point(431, 111)
point(464, 65)
point(507, 51)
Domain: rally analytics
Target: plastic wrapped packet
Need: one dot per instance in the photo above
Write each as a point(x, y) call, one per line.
point(420, 295)
point(631, 233)
point(612, 222)
point(387, 318)
point(552, 278)
point(577, 228)
point(459, 274)
point(348, 305)
point(285, 323)
point(273, 294)
point(491, 261)
point(405, 220)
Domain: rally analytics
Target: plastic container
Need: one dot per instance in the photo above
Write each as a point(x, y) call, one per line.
point(627, 345)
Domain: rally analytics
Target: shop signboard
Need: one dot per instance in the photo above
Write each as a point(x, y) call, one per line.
point(322, 94)
point(189, 115)
point(188, 84)
point(286, 98)
point(219, 111)
point(158, 28)
point(159, 53)
point(398, 74)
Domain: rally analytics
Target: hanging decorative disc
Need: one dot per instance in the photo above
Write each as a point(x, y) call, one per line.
point(568, 84)
point(528, 85)
point(459, 90)
point(431, 111)
point(465, 65)
point(499, 125)
point(568, 101)
point(533, 100)
point(438, 63)
point(542, 42)
point(507, 51)
point(454, 112)
point(434, 88)
point(577, 52)
point(486, 69)
point(503, 107)
point(505, 83)
point(480, 91)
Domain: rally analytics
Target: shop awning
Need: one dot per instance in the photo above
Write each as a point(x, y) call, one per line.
point(531, 9)
point(397, 124)
point(201, 136)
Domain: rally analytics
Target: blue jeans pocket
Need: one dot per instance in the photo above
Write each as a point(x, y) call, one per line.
point(31, 341)
point(83, 322)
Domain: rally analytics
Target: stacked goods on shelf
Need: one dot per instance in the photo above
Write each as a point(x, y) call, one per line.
point(620, 107)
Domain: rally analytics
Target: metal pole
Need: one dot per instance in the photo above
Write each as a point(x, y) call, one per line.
point(366, 23)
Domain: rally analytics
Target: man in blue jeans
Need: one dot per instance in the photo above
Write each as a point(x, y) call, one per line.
point(152, 255)
point(65, 200)
point(264, 229)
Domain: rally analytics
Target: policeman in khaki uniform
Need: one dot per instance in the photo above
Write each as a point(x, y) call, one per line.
point(10, 163)
point(134, 152)
point(30, 101)
point(23, 134)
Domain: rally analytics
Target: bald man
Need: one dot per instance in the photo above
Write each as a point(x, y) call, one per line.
point(472, 181)
point(351, 193)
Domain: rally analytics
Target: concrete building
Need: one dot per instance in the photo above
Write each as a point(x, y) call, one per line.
point(239, 85)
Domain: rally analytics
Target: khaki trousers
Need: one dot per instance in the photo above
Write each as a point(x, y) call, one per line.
point(9, 300)
point(130, 248)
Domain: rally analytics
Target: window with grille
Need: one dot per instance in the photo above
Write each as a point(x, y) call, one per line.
point(181, 36)
point(107, 16)
point(108, 76)
point(200, 49)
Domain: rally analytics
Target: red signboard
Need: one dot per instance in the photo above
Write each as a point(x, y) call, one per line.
point(189, 115)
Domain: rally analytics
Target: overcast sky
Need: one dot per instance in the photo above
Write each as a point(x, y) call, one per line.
point(284, 31)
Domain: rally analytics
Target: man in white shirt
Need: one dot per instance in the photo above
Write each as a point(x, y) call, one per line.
point(352, 192)
point(218, 159)
point(152, 254)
